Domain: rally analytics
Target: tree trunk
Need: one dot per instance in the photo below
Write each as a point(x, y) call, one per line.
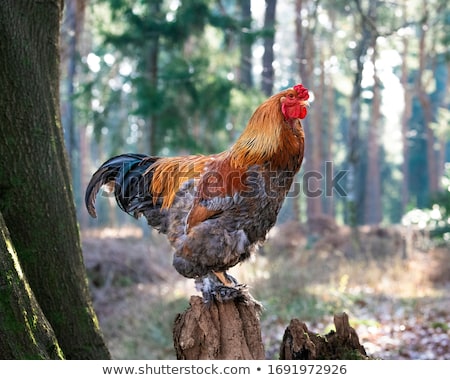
point(269, 39)
point(406, 115)
point(318, 152)
point(151, 53)
point(245, 44)
point(305, 51)
point(330, 122)
point(228, 330)
point(372, 199)
point(70, 32)
point(24, 330)
point(36, 193)
point(424, 99)
point(355, 197)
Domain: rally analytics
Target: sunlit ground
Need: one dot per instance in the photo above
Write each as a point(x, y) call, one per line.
point(400, 306)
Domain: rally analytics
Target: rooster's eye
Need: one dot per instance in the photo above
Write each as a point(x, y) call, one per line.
point(291, 96)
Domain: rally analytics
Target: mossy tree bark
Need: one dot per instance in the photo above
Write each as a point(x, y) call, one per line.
point(24, 330)
point(35, 187)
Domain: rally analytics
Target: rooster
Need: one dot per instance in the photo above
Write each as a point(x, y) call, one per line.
point(214, 209)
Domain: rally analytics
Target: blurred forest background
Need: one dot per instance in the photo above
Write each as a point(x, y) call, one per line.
point(170, 77)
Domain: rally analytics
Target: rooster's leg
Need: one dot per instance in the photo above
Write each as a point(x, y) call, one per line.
point(224, 279)
point(221, 287)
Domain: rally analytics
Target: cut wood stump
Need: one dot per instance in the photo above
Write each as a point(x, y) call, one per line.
point(299, 343)
point(231, 330)
point(228, 330)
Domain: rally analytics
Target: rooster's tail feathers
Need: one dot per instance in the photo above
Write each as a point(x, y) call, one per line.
point(124, 175)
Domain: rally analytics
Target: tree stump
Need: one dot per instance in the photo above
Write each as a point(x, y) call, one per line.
point(301, 344)
point(219, 330)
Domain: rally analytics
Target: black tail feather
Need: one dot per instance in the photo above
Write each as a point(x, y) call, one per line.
point(124, 174)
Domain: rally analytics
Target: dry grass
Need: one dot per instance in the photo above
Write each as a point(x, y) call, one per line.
point(137, 293)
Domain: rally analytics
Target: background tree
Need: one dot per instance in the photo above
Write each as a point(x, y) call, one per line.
point(364, 24)
point(245, 43)
point(306, 27)
point(268, 74)
point(372, 199)
point(71, 32)
point(36, 194)
point(406, 114)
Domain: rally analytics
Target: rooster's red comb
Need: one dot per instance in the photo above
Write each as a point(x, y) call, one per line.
point(301, 91)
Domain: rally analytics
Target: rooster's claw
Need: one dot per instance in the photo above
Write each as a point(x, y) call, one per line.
point(212, 289)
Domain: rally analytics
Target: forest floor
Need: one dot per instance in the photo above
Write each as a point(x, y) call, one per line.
point(394, 285)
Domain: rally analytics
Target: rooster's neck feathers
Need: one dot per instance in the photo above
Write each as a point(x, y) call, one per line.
point(268, 137)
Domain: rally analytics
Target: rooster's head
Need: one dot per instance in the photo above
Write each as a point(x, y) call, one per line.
point(294, 102)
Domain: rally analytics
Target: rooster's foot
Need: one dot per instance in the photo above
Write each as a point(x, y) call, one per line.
point(225, 293)
point(213, 289)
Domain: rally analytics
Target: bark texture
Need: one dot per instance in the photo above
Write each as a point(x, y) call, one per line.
point(229, 330)
point(24, 330)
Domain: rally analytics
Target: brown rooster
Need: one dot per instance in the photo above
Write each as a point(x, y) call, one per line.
point(215, 209)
